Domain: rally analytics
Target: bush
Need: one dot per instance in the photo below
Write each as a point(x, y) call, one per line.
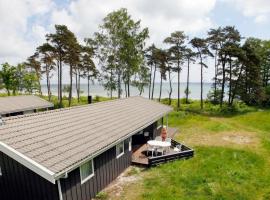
point(214, 97)
point(102, 196)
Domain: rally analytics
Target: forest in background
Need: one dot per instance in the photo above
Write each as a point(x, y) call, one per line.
point(123, 59)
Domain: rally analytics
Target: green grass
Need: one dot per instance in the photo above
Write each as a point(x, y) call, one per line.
point(214, 173)
point(74, 101)
point(218, 171)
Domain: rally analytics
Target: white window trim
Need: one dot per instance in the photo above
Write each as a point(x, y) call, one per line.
point(121, 154)
point(130, 144)
point(90, 176)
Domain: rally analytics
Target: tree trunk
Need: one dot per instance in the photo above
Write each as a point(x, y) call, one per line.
point(187, 90)
point(119, 84)
point(58, 81)
point(178, 87)
point(160, 89)
point(111, 92)
point(39, 87)
point(141, 90)
point(125, 84)
point(70, 86)
point(128, 84)
point(150, 81)
point(79, 87)
point(48, 83)
point(170, 92)
point(201, 82)
point(88, 84)
point(230, 81)
point(60, 89)
point(153, 88)
point(223, 81)
point(236, 85)
point(215, 81)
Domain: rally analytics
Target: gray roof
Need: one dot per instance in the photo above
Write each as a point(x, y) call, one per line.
point(62, 139)
point(14, 104)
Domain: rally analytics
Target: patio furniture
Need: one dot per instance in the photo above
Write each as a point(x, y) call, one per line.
point(168, 140)
point(151, 149)
point(159, 145)
point(178, 148)
point(158, 138)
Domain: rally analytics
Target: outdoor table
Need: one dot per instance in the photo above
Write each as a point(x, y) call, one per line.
point(157, 144)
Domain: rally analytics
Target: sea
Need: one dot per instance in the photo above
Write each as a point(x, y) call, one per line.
point(98, 90)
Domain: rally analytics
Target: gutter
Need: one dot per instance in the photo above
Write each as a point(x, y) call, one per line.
point(53, 177)
point(71, 168)
point(28, 162)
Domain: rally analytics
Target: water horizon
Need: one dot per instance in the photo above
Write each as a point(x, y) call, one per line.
point(98, 90)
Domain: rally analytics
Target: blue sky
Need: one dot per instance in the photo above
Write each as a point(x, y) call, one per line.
point(24, 23)
point(226, 14)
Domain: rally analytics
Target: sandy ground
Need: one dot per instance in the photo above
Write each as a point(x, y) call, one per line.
point(234, 139)
point(116, 188)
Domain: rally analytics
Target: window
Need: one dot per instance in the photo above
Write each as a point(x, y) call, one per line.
point(120, 149)
point(87, 171)
point(130, 144)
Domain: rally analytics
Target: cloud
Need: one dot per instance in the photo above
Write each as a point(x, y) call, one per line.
point(258, 9)
point(24, 23)
point(161, 17)
point(17, 29)
point(84, 16)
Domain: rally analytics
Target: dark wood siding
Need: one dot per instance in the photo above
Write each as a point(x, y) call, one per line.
point(19, 183)
point(106, 168)
point(139, 139)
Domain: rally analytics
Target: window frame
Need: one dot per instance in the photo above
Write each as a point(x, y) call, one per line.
point(122, 153)
point(89, 176)
point(130, 144)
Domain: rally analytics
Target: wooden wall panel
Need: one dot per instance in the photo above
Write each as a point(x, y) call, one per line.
point(106, 168)
point(19, 182)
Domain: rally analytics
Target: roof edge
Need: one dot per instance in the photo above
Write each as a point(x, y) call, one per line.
point(102, 150)
point(27, 162)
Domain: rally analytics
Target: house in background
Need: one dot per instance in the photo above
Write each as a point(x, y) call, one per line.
point(19, 105)
point(73, 153)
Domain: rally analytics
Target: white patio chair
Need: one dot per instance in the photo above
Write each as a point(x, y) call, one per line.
point(151, 149)
point(158, 138)
point(170, 141)
point(160, 150)
point(178, 148)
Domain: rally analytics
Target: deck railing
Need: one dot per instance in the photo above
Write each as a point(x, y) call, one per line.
point(185, 153)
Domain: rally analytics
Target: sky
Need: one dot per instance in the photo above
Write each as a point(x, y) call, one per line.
point(24, 23)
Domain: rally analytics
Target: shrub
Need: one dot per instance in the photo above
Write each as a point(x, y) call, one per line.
point(102, 196)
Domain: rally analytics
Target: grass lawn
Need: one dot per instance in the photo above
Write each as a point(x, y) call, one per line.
point(232, 159)
point(231, 162)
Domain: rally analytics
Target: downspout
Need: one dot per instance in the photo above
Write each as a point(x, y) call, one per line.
point(59, 190)
point(60, 194)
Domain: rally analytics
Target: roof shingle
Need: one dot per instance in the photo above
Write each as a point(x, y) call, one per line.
point(14, 104)
point(61, 139)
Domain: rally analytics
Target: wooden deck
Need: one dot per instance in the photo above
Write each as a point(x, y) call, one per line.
point(141, 157)
point(138, 156)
